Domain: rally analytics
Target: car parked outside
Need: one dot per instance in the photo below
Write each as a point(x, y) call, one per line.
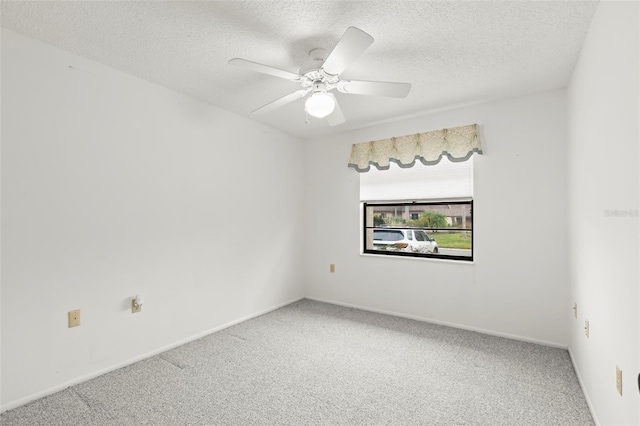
point(407, 240)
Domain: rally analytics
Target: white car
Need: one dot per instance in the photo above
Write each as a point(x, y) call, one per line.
point(408, 240)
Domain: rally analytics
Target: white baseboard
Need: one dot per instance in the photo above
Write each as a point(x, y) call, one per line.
point(24, 400)
point(445, 323)
point(584, 389)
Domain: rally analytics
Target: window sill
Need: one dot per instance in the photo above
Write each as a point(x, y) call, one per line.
point(422, 259)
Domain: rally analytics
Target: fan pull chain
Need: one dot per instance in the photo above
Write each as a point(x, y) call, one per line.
point(306, 117)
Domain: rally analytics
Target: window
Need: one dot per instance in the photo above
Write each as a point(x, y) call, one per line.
point(387, 235)
point(422, 211)
point(443, 229)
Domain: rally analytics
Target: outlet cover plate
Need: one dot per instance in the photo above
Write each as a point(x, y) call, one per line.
point(619, 380)
point(74, 318)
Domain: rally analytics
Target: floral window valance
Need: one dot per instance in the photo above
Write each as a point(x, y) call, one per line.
point(458, 144)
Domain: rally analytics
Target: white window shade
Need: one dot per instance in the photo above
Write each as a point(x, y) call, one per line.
point(446, 180)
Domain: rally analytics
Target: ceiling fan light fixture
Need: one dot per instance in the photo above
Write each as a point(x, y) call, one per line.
point(319, 104)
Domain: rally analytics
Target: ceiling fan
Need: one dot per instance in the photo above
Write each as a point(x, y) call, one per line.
point(322, 74)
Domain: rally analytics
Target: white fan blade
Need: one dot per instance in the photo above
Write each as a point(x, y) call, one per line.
point(265, 69)
point(281, 101)
point(350, 46)
point(375, 88)
point(336, 117)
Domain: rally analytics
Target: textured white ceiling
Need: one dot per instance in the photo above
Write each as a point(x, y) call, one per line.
point(452, 52)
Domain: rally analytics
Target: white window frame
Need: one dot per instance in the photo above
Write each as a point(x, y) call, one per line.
point(448, 182)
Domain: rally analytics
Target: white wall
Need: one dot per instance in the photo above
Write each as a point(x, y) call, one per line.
point(517, 285)
point(603, 176)
point(113, 186)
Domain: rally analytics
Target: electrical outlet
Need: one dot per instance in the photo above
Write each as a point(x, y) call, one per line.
point(575, 310)
point(619, 380)
point(74, 318)
point(332, 267)
point(586, 328)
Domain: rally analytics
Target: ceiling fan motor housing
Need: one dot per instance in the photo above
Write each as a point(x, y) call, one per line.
point(313, 74)
point(318, 86)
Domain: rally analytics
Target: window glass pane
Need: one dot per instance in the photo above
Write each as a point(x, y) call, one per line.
point(423, 229)
point(386, 235)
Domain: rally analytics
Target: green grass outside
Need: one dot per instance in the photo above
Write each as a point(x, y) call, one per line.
point(452, 240)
